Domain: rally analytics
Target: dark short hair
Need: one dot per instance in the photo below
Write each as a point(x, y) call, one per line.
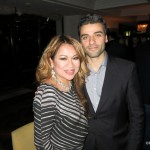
point(91, 19)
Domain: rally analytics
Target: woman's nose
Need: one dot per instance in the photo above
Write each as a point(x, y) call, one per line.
point(70, 62)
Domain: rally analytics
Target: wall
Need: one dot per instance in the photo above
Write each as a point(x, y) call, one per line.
point(70, 25)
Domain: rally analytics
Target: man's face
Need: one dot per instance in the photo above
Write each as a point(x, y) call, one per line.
point(93, 39)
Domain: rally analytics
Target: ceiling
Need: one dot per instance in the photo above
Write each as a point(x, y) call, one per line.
point(125, 8)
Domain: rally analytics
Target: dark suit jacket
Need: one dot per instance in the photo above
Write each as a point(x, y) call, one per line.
point(143, 66)
point(118, 123)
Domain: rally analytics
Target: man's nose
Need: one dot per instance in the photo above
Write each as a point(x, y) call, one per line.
point(92, 40)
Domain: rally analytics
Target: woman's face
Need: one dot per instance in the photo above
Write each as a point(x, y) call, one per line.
point(66, 63)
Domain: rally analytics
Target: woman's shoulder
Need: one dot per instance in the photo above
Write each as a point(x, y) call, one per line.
point(45, 95)
point(45, 91)
point(44, 87)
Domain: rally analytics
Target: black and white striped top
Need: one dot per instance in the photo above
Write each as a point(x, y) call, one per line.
point(59, 121)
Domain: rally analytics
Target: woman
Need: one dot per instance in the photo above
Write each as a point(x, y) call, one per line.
point(60, 107)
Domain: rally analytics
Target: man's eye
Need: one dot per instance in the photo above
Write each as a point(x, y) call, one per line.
point(84, 37)
point(98, 35)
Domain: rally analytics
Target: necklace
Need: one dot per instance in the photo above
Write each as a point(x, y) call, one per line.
point(67, 88)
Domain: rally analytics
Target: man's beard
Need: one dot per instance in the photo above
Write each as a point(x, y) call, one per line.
point(94, 55)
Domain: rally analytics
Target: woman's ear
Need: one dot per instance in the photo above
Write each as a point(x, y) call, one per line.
point(51, 62)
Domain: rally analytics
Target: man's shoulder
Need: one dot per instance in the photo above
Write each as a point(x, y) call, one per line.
point(120, 63)
point(120, 60)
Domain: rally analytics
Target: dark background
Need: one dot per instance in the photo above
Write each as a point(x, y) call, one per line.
point(22, 41)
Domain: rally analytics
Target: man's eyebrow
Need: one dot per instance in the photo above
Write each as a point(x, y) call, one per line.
point(94, 33)
point(99, 32)
point(84, 35)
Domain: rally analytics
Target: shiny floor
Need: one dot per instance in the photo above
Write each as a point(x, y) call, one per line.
point(15, 111)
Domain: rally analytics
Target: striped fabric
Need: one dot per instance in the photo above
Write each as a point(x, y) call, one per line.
point(59, 120)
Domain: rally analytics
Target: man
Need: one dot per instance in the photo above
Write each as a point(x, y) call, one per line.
point(116, 114)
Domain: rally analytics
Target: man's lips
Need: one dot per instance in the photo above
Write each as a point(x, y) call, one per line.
point(92, 48)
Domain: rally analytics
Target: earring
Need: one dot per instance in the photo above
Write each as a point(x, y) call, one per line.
point(52, 73)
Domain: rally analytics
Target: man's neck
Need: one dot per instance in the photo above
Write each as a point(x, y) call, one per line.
point(95, 63)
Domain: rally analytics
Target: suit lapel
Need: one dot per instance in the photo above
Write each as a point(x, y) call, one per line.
point(107, 87)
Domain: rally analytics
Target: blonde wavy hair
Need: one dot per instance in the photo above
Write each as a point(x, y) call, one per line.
point(43, 71)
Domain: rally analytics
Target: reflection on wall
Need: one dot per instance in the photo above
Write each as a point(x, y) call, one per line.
point(22, 40)
point(142, 27)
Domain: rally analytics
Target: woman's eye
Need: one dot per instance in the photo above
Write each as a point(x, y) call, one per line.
point(63, 58)
point(76, 58)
